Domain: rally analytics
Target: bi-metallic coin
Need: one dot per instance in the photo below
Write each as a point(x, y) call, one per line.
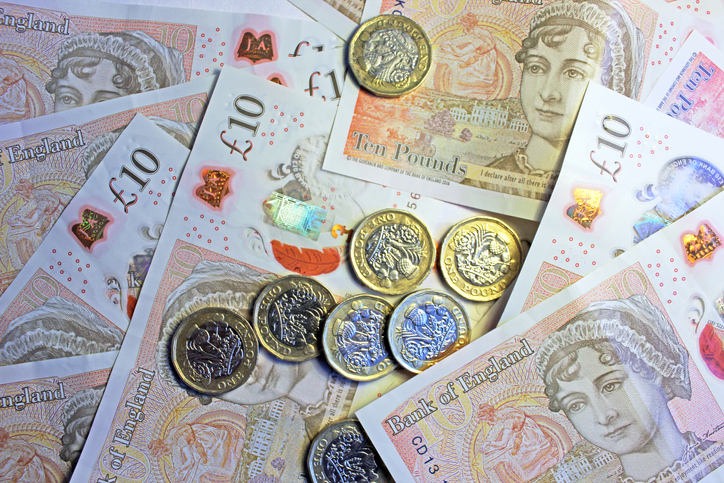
point(288, 317)
point(390, 55)
point(480, 258)
point(392, 251)
point(343, 452)
point(426, 327)
point(214, 350)
point(354, 338)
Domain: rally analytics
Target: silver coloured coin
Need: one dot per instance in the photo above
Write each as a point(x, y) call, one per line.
point(288, 315)
point(426, 327)
point(354, 338)
point(343, 453)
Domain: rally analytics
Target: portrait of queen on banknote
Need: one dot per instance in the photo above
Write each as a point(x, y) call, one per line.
point(569, 44)
point(94, 67)
point(612, 369)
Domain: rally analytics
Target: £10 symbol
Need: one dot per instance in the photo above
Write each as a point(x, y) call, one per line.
point(145, 162)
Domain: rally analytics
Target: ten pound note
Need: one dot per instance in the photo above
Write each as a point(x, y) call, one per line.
point(616, 378)
point(692, 87)
point(46, 410)
point(77, 293)
point(44, 162)
point(629, 171)
point(58, 55)
point(489, 126)
point(253, 204)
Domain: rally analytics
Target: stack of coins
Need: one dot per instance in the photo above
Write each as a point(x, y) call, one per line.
point(364, 337)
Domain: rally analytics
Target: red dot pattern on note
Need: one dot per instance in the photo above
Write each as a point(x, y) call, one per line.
point(664, 274)
point(208, 45)
point(646, 145)
point(68, 261)
point(692, 7)
point(281, 123)
point(665, 42)
point(573, 253)
point(205, 230)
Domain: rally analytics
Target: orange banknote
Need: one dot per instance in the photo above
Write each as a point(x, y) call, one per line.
point(489, 126)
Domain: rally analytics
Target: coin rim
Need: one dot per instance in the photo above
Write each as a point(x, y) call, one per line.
point(332, 361)
point(324, 434)
point(297, 354)
point(357, 269)
point(363, 77)
point(178, 351)
point(463, 339)
point(444, 269)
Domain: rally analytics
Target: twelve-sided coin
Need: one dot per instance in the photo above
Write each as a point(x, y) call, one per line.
point(288, 317)
point(342, 450)
point(354, 338)
point(480, 257)
point(425, 327)
point(390, 55)
point(392, 251)
point(214, 350)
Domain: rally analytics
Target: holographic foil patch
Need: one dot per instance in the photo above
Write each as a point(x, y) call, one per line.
point(294, 215)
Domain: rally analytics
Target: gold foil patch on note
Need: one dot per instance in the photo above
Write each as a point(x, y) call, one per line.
point(702, 244)
point(215, 188)
point(587, 207)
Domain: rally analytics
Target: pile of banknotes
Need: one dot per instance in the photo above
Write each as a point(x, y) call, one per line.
point(165, 173)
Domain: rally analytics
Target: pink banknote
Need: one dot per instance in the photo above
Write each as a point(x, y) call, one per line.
point(77, 292)
point(248, 209)
point(692, 88)
point(629, 171)
point(44, 163)
point(46, 410)
point(608, 380)
point(64, 54)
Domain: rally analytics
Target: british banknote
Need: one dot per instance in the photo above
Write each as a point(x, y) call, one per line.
point(319, 75)
point(710, 10)
point(340, 16)
point(616, 378)
point(692, 87)
point(58, 55)
point(629, 171)
point(253, 204)
point(489, 126)
point(46, 409)
point(76, 294)
point(43, 161)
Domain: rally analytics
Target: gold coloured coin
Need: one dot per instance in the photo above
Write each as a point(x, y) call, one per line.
point(426, 327)
point(288, 317)
point(354, 338)
point(390, 55)
point(480, 257)
point(214, 350)
point(392, 251)
point(343, 452)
